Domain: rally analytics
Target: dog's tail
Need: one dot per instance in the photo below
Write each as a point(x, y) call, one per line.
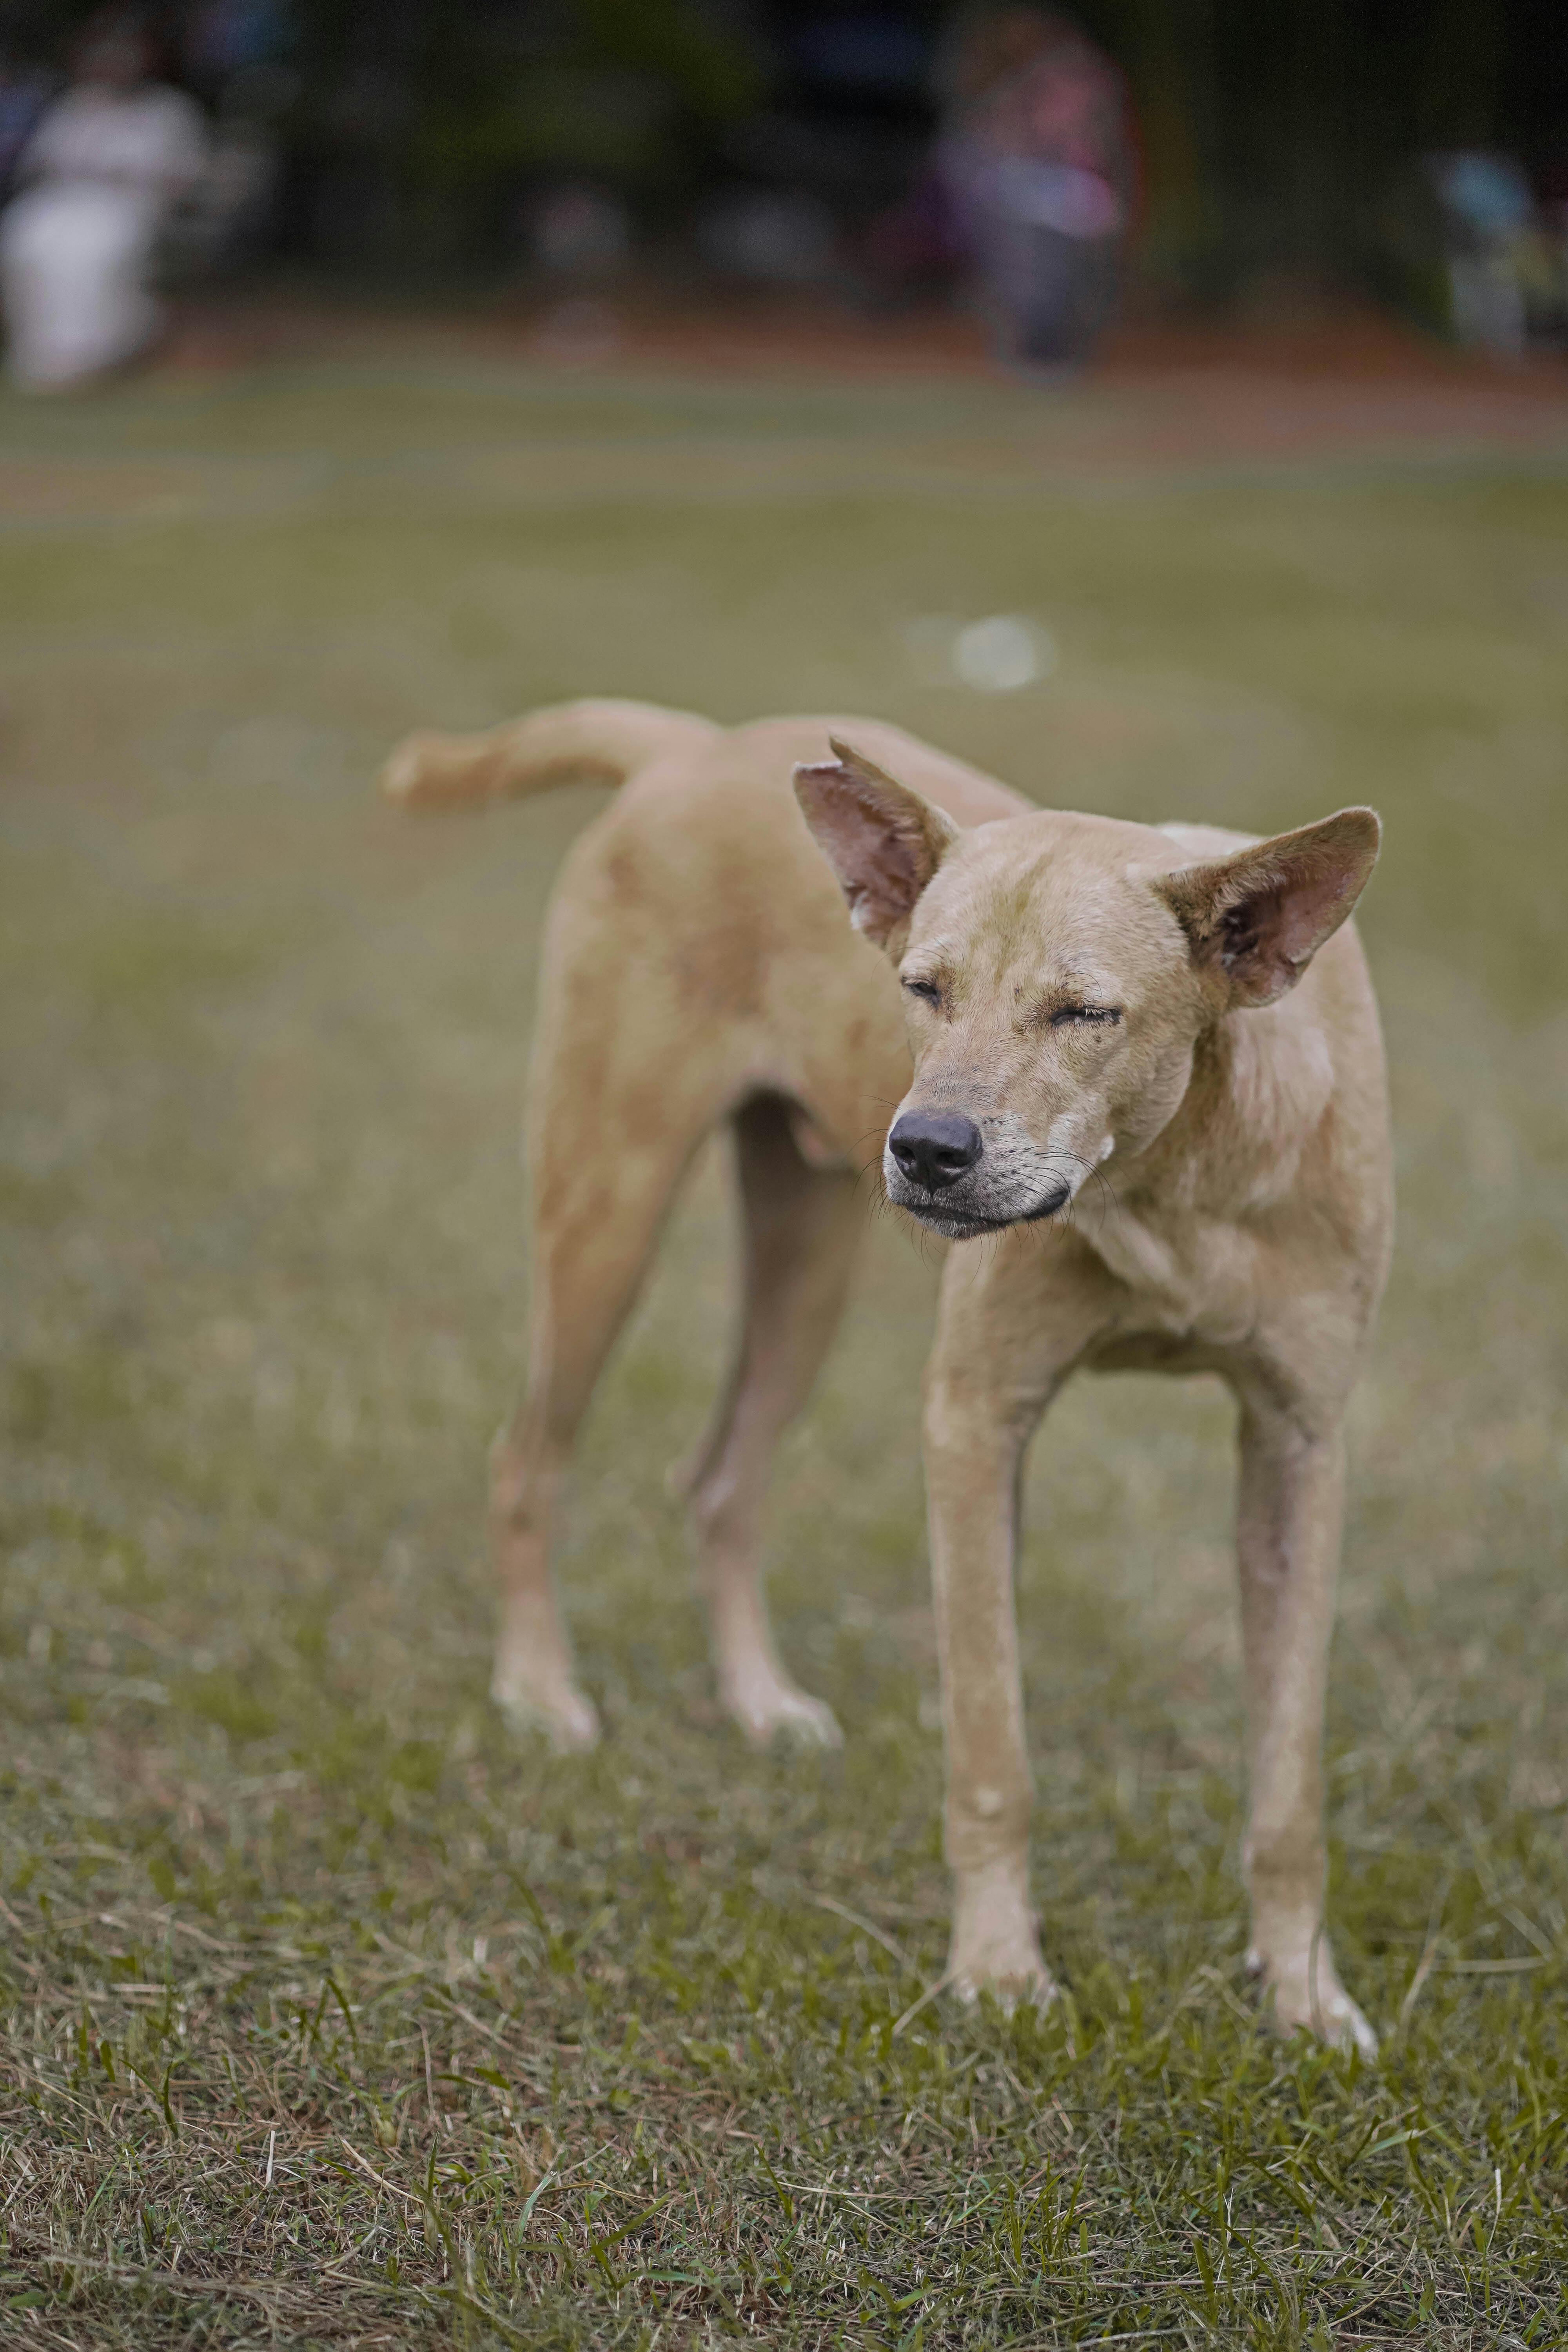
point(568, 744)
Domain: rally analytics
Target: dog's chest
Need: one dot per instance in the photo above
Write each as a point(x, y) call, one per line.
point(1193, 1276)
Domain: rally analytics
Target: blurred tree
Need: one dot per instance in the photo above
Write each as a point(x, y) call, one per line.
point(452, 113)
point(1272, 135)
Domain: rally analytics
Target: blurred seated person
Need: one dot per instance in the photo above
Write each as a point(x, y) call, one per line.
point(1037, 160)
point(97, 180)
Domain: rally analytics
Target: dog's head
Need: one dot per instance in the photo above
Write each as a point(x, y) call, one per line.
point(1058, 972)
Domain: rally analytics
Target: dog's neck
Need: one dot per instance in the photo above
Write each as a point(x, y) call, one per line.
point(1260, 1085)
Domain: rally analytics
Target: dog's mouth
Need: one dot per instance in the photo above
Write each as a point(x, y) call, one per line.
point(956, 1222)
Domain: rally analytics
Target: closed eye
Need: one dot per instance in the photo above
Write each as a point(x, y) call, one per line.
point(926, 990)
point(1093, 1016)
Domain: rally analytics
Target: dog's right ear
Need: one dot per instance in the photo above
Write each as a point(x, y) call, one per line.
point(882, 841)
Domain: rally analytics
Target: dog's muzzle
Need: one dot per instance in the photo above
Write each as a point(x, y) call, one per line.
point(935, 1168)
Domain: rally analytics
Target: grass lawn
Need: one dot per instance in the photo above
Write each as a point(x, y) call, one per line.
point(331, 2015)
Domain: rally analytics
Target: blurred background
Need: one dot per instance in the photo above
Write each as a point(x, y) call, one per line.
point(1052, 173)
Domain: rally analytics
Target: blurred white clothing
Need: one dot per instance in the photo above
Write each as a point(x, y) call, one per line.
point(100, 172)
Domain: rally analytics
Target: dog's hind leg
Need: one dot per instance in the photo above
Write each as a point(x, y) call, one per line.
point(800, 1227)
point(602, 1187)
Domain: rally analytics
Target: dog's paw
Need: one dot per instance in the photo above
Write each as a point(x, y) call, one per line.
point(996, 1945)
point(566, 1718)
point(1011, 1988)
point(783, 1712)
point(1303, 1995)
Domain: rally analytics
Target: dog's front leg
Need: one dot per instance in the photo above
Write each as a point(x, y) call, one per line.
point(1288, 1524)
point(1009, 1329)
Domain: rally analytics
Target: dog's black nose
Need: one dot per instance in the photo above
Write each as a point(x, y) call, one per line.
point(935, 1150)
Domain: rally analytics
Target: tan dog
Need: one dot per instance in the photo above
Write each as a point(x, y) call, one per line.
point(1178, 1008)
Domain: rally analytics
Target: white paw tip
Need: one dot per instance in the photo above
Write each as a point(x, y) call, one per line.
point(571, 1725)
point(1010, 1990)
point(1334, 2020)
point(1354, 2029)
point(807, 1722)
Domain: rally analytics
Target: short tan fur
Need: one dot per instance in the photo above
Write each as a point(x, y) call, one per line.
point(1046, 997)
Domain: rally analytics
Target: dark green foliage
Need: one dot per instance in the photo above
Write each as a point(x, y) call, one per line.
point(1274, 139)
point(1280, 138)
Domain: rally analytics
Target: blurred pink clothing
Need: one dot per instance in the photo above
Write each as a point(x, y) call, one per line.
point(75, 246)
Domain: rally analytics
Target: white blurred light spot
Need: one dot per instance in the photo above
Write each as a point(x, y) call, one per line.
point(1002, 653)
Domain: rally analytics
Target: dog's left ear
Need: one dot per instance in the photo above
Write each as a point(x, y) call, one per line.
point(882, 841)
point(1256, 920)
